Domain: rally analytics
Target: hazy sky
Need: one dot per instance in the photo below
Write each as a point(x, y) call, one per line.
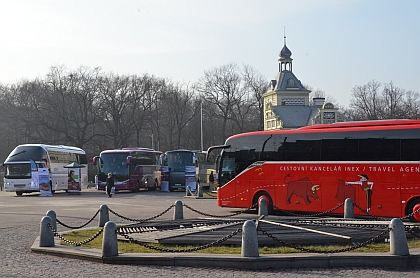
point(335, 44)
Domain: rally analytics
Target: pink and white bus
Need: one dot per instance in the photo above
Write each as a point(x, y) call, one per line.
point(132, 168)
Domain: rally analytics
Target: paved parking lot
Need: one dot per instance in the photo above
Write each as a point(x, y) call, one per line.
point(19, 226)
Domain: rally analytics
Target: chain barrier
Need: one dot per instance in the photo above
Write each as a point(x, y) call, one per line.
point(367, 213)
point(309, 250)
point(385, 219)
point(410, 215)
point(78, 227)
point(353, 223)
point(307, 215)
point(220, 216)
point(202, 247)
point(190, 193)
point(412, 232)
point(141, 220)
point(74, 242)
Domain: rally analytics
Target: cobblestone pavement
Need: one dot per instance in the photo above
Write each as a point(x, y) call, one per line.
point(17, 260)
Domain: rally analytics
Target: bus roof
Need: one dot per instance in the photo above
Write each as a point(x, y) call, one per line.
point(339, 127)
point(357, 124)
point(130, 150)
point(53, 147)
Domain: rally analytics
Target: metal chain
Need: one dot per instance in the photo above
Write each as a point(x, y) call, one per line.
point(308, 215)
point(412, 232)
point(381, 218)
point(78, 227)
point(338, 223)
point(74, 242)
point(309, 250)
point(156, 248)
point(410, 215)
point(141, 220)
point(367, 213)
point(220, 216)
point(192, 193)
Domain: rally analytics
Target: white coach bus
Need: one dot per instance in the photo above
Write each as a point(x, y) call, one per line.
point(17, 166)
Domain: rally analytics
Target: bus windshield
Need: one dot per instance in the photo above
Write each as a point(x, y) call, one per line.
point(25, 153)
point(178, 160)
point(114, 163)
point(19, 170)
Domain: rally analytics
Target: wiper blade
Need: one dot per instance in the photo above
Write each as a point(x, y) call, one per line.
point(24, 151)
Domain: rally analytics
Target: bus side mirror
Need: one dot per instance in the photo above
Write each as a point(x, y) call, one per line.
point(218, 161)
point(94, 160)
point(128, 161)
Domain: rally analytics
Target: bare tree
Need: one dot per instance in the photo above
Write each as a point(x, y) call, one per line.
point(221, 88)
point(257, 85)
point(69, 105)
point(179, 103)
point(366, 100)
point(393, 99)
point(412, 105)
point(117, 104)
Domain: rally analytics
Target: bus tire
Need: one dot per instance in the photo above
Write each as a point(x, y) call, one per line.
point(153, 188)
point(412, 206)
point(19, 193)
point(137, 188)
point(268, 199)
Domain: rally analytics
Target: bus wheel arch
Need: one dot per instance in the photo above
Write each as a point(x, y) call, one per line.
point(264, 195)
point(412, 206)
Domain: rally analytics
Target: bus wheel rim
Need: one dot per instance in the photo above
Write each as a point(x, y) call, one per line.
point(417, 215)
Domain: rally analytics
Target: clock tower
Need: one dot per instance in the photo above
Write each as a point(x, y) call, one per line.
point(285, 90)
point(286, 102)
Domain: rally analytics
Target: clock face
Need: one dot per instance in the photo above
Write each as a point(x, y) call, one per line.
point(329, 115)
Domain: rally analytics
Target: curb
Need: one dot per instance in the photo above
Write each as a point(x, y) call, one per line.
point(305, 260)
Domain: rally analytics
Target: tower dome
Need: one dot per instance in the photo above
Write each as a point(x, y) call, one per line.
point(285, 52)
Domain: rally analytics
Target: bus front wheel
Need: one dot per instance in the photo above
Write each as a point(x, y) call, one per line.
point(137, 188)
point(413, 206)
point(19, 193)
point(268, 200)
point(154, 187)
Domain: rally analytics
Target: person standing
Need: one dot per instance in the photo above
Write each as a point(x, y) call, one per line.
point(109, 185)
point(211, 180)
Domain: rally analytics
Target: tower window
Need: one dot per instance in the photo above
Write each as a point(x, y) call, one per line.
point(291, 83)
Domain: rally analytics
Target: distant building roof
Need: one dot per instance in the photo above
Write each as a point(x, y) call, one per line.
point(296, 116)
point(287, 81)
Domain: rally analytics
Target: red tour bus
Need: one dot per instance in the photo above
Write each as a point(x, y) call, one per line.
point(132, 168)
point(315, 168)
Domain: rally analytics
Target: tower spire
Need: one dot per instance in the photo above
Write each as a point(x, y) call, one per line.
point(284, 32)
